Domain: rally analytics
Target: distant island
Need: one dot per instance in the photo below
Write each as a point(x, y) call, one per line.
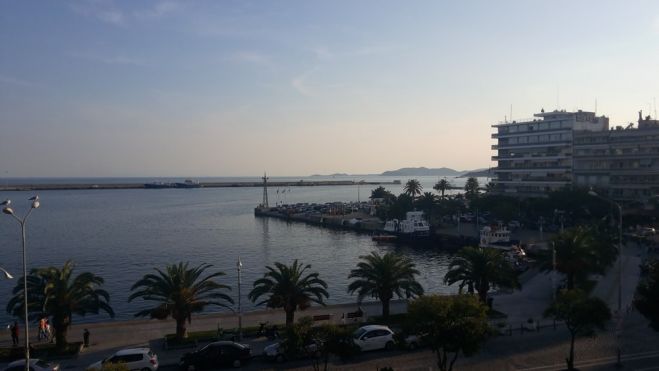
point(423, 171)
point(478, 173)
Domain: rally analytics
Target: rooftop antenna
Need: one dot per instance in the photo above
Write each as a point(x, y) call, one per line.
point(655, 107)
point(511, 112)
point(595, 106)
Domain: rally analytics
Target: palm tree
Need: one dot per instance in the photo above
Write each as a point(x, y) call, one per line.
point(56, 293)
point(480, 269)
point(442, 186)
point(413, 188)
point(383, 276)
point(471, 188)
point(426, 202)
point(289, 287)
point(579, 252)
point(178, 292)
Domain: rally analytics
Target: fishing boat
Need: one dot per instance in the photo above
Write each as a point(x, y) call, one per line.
point(188, 183)
point(497, 237)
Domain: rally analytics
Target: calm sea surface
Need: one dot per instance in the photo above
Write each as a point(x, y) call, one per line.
point(123, 234)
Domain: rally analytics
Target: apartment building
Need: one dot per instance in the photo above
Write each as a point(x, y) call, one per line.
point(623, 161)
point(534, 156)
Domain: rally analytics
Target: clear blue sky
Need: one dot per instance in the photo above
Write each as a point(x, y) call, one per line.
point(141, 88)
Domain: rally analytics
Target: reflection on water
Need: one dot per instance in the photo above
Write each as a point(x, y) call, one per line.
point(122, 234)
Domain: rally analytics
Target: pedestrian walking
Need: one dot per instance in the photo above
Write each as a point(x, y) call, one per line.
point(49, 331)
point(14, 333)
point(42, 329)
point(85, 338)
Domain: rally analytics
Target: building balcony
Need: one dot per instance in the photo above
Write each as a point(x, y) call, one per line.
point(533, 180)
point(531, 157)
point(564, 143)
point(560, 169)
point(529, 132)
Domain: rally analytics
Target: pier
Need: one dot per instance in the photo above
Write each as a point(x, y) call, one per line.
point(299, 183)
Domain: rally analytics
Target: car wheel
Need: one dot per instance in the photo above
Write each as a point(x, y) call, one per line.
point(280, 358)
point(389, 345)
point(237, 363)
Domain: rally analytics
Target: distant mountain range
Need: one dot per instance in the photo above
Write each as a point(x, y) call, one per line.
point(422, 171)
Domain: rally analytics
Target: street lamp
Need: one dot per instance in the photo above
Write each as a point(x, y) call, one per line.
point(9, 211)
point(6, 274)
point(593, 193)
point(239, 266)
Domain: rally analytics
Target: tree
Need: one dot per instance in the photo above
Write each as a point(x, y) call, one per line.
point(413, 188)
point(426, 202)
point(381, 192)
point(56, 293)
point(333, 339)
point(579, 252)
point(382, 276)
point(582, 316)
point(449, 325)
point(290, 288)
point(480, 269)
point(471, 188)
point(646, 298)
point(442, 186)
point(178, 292)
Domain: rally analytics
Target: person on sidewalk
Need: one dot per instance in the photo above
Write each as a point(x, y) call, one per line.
point(85, 338)
point(42, 329)
point(14, 333)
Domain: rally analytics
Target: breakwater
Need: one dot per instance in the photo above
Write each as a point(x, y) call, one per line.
point(362, 222)
point(86, 186)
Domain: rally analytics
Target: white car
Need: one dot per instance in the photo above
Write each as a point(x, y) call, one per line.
point(140, 359)
point(35, 365)
point(374, 337)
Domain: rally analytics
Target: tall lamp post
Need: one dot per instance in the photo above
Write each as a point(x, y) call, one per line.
point(593, 193)
point(239, 266)
point(9, 211)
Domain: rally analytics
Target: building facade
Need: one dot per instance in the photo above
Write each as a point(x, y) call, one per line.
point(624, 161)
point(535, 156)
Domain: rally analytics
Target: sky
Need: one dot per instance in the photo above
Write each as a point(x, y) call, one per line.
point(234, 88)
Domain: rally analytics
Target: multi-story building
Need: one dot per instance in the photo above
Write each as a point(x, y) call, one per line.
point(623, 161)
point(534, 156)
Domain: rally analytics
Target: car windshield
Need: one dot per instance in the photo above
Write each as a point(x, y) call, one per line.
point(42, 364)
point(357, 334)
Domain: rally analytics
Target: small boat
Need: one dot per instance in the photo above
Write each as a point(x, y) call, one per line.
point(384, 238)
point(413, 226)
point(497, 237)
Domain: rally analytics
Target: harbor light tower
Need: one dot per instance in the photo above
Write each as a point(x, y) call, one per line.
point(264, 204)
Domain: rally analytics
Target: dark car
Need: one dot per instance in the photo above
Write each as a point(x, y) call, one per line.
point(217, 354)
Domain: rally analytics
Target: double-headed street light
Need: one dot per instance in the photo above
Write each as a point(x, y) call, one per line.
point(9, 211)
point(239, 266)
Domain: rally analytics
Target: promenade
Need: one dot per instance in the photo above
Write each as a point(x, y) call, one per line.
point(527, 349)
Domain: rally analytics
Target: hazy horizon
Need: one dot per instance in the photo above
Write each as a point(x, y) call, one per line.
point(103, 88)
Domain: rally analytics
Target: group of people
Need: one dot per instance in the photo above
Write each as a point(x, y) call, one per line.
point(45, 331)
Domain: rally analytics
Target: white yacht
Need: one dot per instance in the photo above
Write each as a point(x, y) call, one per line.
point(414, 225)
point(498, 237)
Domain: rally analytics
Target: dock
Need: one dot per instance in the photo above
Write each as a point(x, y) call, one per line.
point(90, 186)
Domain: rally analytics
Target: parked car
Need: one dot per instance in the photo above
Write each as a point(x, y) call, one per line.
point(373, 337)
point(35, 365)
point(213, 355)
point(275, 352)
point(141, 359)
point(647, 231)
